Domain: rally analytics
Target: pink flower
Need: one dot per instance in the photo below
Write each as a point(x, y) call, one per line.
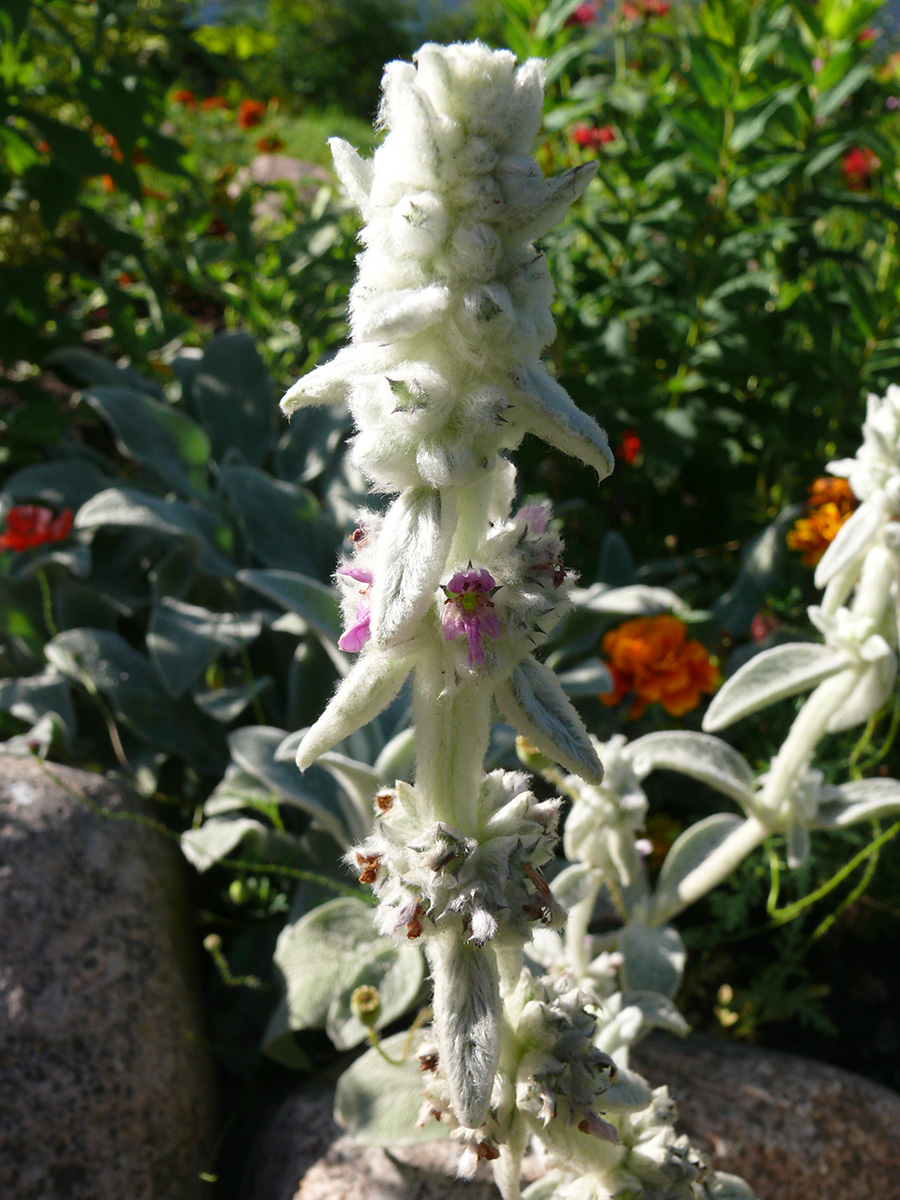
point(358, 634)
point(469, 609)
point(535, 516)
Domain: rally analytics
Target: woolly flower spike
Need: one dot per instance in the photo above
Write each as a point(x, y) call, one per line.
point(469, 609)
point(450, 312)
point(874, 476)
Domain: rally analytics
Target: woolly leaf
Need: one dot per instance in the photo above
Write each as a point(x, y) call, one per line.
point(544, 408)
point(183, 639)
point(354, 172)
point(699, 755)
point(654, 958)
point(534, 702)
point(467, 1010)
point(851, 542)
point(689, 851)
point(869, 690)
point(379, 1103)
point(397, 972)
point(320, 954)
point(860, 800)
point(371, 684)
point(414, 541)
point(770, 676)
point(253, 748)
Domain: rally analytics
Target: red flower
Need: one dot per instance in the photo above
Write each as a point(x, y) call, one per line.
point(584, 14)
point(866, 35)
point(30, 525)
point(858, 166)
point(115, 149)
point(250, 113)
point(269, 145)
point(109, 184)
point(633, 11)
point(629, 447)
point(186, 97)
point(592, 137)
point(212, 102)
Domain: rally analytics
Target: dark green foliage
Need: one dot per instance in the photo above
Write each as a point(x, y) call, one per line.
point(729, 285)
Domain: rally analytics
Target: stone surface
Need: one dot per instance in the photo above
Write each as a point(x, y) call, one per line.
point(301, 1154)
point(793, 1128)
point(106, 1088)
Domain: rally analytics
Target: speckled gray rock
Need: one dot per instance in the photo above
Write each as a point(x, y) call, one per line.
point(793, 1128)
point(106, 1089)
point(299, 1153)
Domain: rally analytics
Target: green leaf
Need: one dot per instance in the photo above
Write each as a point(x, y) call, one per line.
point(235, 398)
point(314, 792)
point(128, 508)
point(89, 369)
point(313, 601)
point(832, 98)
point(184, 639)
point(104, 662)
point(379, 1103)
point(282, 521)
point(157, 435)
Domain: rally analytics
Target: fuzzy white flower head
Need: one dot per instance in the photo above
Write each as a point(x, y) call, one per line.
point(876, 467)
point(851, 632)
point(605, 819)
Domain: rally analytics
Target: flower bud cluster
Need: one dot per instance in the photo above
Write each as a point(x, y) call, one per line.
point(431, 878)
point(605, 818)
point(562, 1074)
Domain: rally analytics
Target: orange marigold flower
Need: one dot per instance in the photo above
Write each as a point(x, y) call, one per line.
point(652, 660)
point(109, 184)
point(186, 97)
point(829, 505)
point(269, 145)
point(213, 102)
point(250, 113)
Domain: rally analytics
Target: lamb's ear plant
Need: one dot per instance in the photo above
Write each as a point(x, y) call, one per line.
point(457, 587)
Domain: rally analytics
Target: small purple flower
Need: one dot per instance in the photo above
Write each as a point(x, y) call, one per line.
point(469, 609)
point(358, 634)
point(535, 517)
